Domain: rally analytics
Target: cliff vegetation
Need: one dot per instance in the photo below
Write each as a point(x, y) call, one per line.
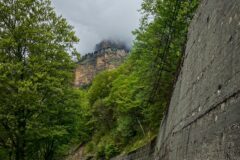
point(125, 105)
point(42, 116)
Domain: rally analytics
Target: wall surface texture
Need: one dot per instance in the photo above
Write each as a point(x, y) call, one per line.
point(203, 119)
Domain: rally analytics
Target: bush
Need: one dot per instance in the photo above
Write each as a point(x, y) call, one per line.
point(111, 150)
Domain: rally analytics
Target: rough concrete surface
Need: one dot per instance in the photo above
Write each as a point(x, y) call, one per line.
point(203, 119)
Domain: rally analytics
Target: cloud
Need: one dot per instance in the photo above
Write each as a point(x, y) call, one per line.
point(96, 20)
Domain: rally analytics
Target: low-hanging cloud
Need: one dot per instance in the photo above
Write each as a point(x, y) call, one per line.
point(96, 20)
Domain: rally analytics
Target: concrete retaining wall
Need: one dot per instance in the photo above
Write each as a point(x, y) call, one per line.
point(203, 120)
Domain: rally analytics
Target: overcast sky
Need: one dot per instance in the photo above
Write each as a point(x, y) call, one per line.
point(96, 20)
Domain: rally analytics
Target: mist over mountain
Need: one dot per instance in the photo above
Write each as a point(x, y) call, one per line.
point(112, 44)
point(95, 20)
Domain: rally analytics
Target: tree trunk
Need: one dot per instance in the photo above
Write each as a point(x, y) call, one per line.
point(49, 151)
point(20, 155)
point(20, 138)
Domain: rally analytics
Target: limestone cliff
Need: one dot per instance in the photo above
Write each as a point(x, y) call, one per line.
point(108, 55)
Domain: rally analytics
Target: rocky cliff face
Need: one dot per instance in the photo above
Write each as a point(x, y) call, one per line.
point(109, 55)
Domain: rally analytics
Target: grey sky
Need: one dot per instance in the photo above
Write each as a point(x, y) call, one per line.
point(95, 20)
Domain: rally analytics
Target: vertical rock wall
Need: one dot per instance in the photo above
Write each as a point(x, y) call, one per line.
point(104, 59)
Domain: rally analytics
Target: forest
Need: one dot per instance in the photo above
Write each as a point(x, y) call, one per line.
point(43, 117)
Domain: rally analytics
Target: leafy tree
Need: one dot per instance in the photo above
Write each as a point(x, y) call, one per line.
point(101, 86)
point(42, 116)
point(37, 102)
point(102, 110)
point(137, 94)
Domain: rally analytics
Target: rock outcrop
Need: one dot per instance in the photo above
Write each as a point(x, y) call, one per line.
point(109, 55)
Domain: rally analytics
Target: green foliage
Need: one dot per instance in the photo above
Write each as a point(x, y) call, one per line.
point(137, 142)
point(101, 86)
point(43, 117)
point(39, 107)
point(106, 148)
point(127, 104)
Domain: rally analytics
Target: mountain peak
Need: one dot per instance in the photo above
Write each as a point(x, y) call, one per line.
point(105, 44)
